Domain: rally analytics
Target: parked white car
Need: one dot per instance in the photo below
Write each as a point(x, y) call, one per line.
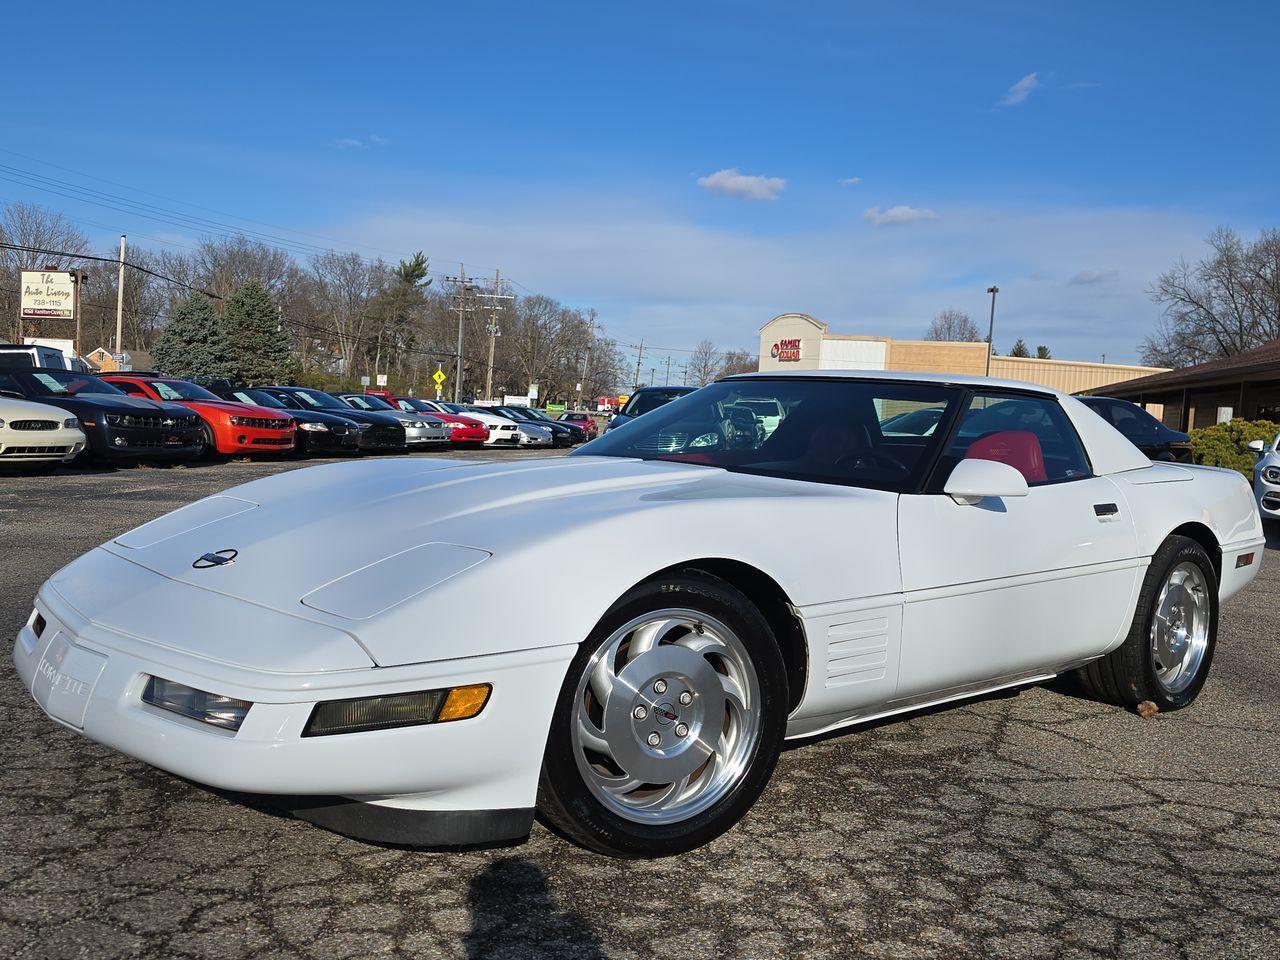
point(36, 435)
point(1266, 478)
point(295, 636)
point(502, 432)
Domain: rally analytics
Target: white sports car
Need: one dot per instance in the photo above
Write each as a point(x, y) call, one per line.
point(298, 636)
point(1266, 478)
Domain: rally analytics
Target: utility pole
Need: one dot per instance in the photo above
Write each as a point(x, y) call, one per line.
point(461, 288)
point(493, 335)
point(462, 312)
point(991, 325)
point(120, 300)
point(586, 359)
point(667, 381)
point(639, 357)
point(79, 286)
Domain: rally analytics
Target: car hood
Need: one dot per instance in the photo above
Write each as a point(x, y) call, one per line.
point(114, 404)
point(351, 544)
point(234, 409)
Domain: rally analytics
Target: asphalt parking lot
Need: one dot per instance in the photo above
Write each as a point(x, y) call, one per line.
point(1028, 825)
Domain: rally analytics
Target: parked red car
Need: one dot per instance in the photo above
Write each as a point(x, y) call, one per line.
point(227, 427)
point(584, 420)
point(463, 431)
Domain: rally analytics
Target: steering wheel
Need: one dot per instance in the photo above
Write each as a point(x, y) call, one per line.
point(879, 457)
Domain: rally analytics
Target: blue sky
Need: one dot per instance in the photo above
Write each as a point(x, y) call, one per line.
point(680, 166)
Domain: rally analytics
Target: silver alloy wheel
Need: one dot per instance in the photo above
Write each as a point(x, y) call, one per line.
point(1180, 627)
point(643, 751)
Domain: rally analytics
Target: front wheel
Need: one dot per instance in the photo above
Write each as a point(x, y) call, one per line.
point(1167, 655)
point(669, 721)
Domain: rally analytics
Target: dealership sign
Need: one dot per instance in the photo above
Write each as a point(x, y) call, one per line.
point(786, 351)
point(47, 295)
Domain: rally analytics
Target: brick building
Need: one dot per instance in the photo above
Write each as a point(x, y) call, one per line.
point(796, 341)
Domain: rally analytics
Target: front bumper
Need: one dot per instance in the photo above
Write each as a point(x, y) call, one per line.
point(1268, 497)
point(109, 440)
point(499, 436)
point(469, 435)
point(425, 436)
point(239, 439)
point(328, 441)
point(89, 678)
point(382, 437)
point(29, 446)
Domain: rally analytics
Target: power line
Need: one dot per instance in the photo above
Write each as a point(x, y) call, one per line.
point(112, 260)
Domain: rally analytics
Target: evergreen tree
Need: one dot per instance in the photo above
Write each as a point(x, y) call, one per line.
point(258, 343)
point(193, 343)
point(1042, 353)
point(1019, 349)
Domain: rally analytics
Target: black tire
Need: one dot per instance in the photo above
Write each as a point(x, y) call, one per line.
point(1127, 675)
point(565, 803)
point(208, 449)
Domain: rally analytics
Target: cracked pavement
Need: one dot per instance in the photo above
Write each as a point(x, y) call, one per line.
point(1032, 824)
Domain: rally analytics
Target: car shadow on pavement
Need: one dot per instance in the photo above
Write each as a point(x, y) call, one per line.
point(513, 914)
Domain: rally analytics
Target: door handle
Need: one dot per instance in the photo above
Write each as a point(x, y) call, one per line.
point(1106, 511)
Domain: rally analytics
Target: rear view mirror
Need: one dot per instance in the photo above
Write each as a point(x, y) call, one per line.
point(974, 480)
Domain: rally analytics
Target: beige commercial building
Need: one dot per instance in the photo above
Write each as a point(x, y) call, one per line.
point(796, 341)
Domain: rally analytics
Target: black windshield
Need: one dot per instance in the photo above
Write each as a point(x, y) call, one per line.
point(830, 431)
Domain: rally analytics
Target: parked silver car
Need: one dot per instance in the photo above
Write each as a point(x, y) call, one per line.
point(420, 429)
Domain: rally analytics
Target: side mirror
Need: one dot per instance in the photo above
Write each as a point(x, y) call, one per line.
point(974, 480)
point(1258, 447)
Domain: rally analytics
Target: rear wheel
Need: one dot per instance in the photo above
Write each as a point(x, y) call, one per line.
point(1167, 655)
point(669, 721)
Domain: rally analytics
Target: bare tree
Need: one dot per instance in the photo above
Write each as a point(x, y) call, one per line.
point(704, 364)
point(738, 361)
point(1225, 304)
point(953, 325)
point(30, 225)
point(344, 287)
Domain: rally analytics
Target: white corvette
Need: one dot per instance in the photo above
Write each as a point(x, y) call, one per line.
point(749, 582)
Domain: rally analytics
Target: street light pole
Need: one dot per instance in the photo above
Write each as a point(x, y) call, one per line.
point(991, 325)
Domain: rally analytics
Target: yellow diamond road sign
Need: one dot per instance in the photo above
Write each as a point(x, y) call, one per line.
point(439, 377)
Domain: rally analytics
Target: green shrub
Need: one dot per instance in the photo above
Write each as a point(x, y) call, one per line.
point(1224, 444)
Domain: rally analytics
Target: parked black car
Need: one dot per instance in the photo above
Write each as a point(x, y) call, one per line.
point(379, 432)
point(645, 400)
point(576, 433)
point(1143, 430)
point(562, 435)
point(117, 426)
point(319, 432)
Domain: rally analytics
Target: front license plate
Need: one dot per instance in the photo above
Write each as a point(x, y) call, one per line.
point(65, 680)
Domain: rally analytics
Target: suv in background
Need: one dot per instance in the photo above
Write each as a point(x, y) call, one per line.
point(1141, 429)
point(644, 400)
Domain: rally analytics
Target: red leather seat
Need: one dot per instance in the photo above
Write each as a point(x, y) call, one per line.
point(1020, 449)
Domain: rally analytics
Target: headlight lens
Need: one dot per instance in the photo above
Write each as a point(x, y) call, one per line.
point(397, 710)
point(313, 427)
point(406, 422)
point(706, 440)
point(69, 423)
point(1271, 474)
point(211, 708)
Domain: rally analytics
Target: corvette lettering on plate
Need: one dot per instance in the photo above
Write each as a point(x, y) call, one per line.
point(65, 679)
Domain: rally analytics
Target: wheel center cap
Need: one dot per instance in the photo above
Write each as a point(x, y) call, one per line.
point(665, 713)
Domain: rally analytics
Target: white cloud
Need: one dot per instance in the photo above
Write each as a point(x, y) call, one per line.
point(732, 183)
point(1088, 277)
point(850, 181)
point(1019, 92)
point(895, 215)
point(352, 143)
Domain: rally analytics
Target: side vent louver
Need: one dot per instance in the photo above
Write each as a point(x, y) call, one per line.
point(857, 651)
